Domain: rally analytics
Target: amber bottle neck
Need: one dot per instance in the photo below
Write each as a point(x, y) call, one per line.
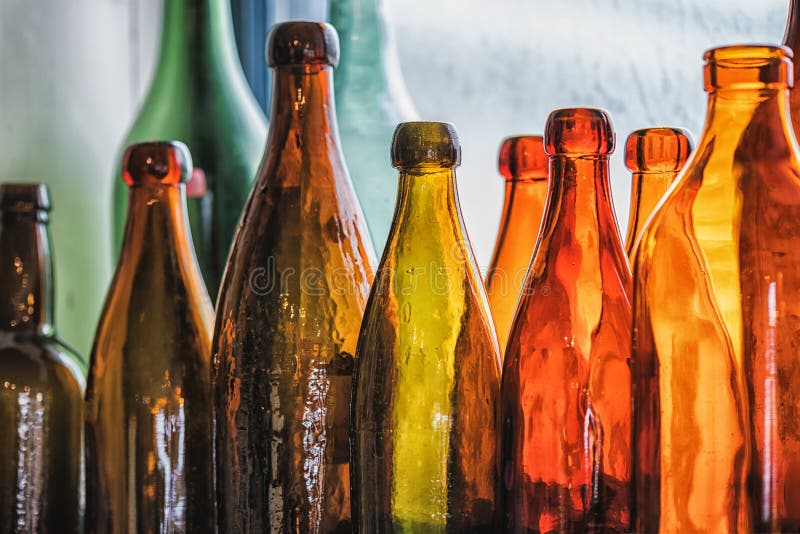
point(26, 274)
point(791, 37)
point(303, 113)
point(156, 221)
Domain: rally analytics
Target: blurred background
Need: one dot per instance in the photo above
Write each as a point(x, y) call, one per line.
point(72, 76)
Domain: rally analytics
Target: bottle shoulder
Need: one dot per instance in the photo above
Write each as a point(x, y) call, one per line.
point(41, 361)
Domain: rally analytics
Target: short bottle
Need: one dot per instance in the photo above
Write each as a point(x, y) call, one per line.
point(654, 156)
point(41, 385)
point(716, 440)
point(565, 431)
point(425, 402)
point(371, 98)
point(290, 309)
point(523, 164)
point(148, 397)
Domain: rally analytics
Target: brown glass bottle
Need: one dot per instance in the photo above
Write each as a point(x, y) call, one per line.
point(654, 156)
point(523, 164)
point(148, 398)
point(716, 373)
point(41, 386)
point(426, 398)
point(566, 382)
point(290, 309)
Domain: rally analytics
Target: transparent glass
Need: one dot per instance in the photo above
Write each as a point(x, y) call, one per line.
point(41, 386)
point(199, 96)
point(566, 382)
point(148, 398)
point(716, 381)
point(654, 156)
point(289, 311)
point(371, 98)
point(425, 402)
point(523, 163)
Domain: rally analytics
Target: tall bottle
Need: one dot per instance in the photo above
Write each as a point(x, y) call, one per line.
point(290, 309)
point(199, 96)
point(716, 441)
point(41, 387)
point(566, 382)
point(425, 402)
point(148, 398)
point(371, 98)
point(523, 164)
point(654, 156)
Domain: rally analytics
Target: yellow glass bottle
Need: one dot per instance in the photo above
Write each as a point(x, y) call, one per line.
point(427, 384)
point(523, 163)
point(654, 156)
point(148, 398)
point(716, 370)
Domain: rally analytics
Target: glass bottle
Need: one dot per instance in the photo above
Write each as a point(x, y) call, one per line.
point(199, 96)
point(566, 383)
point(371, 98)
point(290, 309)
point(425, 402)
point(654, 156)
point(716, 441)
point(148, 398)
point(523, 163)
point(41, 386)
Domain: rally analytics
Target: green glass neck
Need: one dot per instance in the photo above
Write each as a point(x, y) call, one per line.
point(197, 35)
point(26, 274)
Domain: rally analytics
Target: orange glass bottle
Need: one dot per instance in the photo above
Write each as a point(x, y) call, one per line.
point(523, 164)
point(654, 156)
point(290, 309)
point(148, 398)
point(566, 392)
point(716, 371)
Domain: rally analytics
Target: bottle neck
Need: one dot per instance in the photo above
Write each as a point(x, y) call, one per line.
point(791, 37)
point(303, 113)
point(26, 274)
point(197, 36)
point(647, 188)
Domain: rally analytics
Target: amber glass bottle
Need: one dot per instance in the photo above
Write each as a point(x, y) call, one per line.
point(41, 387)
point(425, 403)
point(566, 382)
point(654, 156)
point(290, 310)
point(523, 164)
point(716, 439)
point(148, 397)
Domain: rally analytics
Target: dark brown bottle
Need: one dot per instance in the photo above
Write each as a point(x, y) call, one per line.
point(41, 385)
point(289, 311)
point(149, 464)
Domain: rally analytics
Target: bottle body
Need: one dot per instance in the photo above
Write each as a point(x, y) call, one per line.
point(148, 400)
point(565, 393)
point(200, 97)
point(714, 437)
point(289, 312)
point(427, 387)
point(371, 98)
point(523, 163)
point(41, 386)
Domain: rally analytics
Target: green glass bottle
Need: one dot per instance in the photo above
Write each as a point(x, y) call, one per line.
point(427, 384)
point(371, 99)
point(199, 96)
point(41, 387)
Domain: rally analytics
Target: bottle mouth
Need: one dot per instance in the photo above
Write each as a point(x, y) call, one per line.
point(425, 145)
point(156, 163)
point(302, 43)
point(657, 150)
point(579, 132)
point(743, 67)
point(522, 158)
point(24, 198)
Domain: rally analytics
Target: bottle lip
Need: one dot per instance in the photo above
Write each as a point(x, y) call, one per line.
point(302, 43)
point(522, 158)
point(579, 132)
point(748, 66)
point(658, 149)
point(156, 163)
point(24, 197)
point(422, 144)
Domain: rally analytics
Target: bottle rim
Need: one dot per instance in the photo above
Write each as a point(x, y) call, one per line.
point(657, 149)
point(24, 197)
point(522, 158)
point(747, 67)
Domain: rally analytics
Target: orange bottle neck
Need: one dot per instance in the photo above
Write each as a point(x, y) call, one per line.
point(791, 36)
point(647, 188)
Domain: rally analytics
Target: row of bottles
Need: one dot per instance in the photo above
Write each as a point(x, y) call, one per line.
point(329, 397)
